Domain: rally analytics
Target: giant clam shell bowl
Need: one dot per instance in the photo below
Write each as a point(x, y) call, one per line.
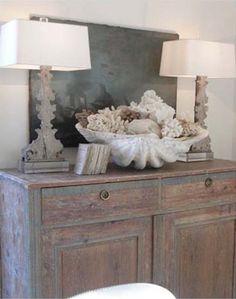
point(145, 133)
point(142, 149)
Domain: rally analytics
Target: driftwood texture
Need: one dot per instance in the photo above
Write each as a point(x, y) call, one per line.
point(92, 158)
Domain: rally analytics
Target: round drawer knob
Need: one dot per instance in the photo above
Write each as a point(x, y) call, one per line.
point(208, 182)
point(104, 195)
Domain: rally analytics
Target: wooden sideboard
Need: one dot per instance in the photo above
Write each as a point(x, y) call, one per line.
point(63, 234)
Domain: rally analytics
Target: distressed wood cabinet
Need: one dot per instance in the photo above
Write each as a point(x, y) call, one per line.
point(63, 234)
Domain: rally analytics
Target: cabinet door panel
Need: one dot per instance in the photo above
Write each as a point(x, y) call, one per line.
point(106, 262)
point(76, 259)
point(205, 260)
point(194, 252)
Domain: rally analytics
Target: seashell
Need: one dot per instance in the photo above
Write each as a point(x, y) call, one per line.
point(143, 126)
point(144, 149)
point(172, 128)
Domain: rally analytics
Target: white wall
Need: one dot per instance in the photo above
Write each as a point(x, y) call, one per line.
point(206, 19)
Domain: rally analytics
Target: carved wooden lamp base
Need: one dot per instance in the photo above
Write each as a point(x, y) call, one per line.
point(200, 151)
point(45, 154)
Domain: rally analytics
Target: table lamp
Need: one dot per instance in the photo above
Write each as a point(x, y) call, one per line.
point(199, 59)
point(45, 46)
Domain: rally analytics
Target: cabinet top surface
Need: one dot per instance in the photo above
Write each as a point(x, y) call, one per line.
point(117, 174)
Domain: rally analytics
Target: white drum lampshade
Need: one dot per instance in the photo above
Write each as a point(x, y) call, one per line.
point(30, 44)
point(191, 58)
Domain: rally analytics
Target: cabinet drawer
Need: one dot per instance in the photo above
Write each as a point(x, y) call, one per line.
point(67, 205)
point(198, 190)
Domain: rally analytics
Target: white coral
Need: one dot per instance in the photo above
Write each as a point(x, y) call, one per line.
point(163, 113)
point(152, 106)
point(98, 122)
point(172, 128)
point(150, 96)
point(107, 120)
